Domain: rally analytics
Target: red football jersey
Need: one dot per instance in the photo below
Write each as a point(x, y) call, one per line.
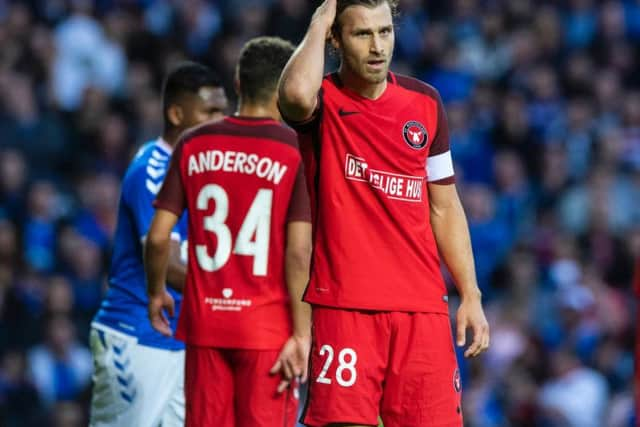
point(241, 181)
point(368, 163)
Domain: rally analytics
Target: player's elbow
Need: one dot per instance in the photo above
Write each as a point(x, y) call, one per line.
point(298, 257)
point(296, 97)
point(156, 239)
point(438, 212)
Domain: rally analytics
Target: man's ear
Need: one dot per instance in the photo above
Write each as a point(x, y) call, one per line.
point(175, 115)
point(334, 40)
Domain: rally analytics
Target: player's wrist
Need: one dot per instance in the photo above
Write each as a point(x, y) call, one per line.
point(302, 336)
point(157, 292)
point(471, 295)
point(320, 25)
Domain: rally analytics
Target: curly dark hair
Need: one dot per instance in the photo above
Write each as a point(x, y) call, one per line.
point(261, 62)
point(186, 77)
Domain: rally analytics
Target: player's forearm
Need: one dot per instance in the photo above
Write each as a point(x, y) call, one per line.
point(176, 269)
point(297, 276)
point(302, 77)
point(300, 310)
point(451, 232)
point(156, 256)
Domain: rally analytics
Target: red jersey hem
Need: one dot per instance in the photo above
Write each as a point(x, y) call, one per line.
point(425, 307)
point(230, 344)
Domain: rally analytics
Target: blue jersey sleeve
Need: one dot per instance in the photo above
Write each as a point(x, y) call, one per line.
point(140, 190)
point(139, 199)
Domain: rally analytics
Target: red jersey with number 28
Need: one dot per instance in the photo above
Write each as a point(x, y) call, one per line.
point(368, 163)
point(241, 181)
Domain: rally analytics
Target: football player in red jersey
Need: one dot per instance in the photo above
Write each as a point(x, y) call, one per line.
point(384, 208)
point(246, 328)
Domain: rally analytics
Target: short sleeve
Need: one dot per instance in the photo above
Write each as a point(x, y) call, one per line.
point(171, 196)
point(310, 124)
point(439, 162)
point(299, 205)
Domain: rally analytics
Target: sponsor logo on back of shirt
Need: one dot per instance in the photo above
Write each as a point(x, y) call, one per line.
point(227, 303)
point(395, 186)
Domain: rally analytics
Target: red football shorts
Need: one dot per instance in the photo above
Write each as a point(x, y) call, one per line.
point(233, 388)
point(401, 366)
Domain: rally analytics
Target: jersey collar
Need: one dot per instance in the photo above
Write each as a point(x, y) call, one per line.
point(250, 120)
point(337, 81)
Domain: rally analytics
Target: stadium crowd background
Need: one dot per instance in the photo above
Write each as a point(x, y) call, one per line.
point(543, 101)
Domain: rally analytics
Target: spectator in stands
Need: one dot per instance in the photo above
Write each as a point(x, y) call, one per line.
point(61, 367)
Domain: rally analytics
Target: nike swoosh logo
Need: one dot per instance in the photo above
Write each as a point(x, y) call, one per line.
point(343, 113)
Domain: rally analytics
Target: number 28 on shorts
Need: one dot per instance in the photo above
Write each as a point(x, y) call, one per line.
point(345, 373)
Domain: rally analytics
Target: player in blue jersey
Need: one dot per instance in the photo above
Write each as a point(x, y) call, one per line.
point(139, 373)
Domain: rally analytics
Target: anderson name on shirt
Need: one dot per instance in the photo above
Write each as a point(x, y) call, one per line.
point(238, 162)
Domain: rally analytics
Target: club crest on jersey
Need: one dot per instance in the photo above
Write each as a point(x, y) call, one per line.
point(415, 134)
point(457, 384)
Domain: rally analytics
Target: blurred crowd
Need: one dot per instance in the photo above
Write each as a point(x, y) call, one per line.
point(543, 102)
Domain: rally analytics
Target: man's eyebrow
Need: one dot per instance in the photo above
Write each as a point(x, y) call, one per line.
point(371, 30)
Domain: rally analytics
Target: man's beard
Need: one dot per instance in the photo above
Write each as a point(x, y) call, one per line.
point(360, 69)
point(376, 77)
point(379, 77)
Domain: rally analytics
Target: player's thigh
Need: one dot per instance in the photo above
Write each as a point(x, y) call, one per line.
point(161, 375)
point(209, 388)
point(106, 401)
point(174, 412)
point(348, 363)
point(422, 387)
point(132, 384)
point(257, 401)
